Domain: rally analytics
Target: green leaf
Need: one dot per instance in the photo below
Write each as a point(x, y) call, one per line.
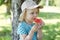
point(1, 2)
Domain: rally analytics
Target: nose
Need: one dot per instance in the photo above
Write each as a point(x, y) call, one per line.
point(35, 14)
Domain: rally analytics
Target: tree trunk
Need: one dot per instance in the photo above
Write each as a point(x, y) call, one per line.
point(16, 12)
point(16, 8)
point(47, 2)
point(15, 22)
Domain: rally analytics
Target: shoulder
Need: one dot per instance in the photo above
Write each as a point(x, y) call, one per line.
point(22, 24)
point(21, 28)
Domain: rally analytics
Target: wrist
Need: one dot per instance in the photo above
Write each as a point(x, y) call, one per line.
point(31, 33)
point(39, 29)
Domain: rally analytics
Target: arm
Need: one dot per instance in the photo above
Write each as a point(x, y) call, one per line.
point(39, 34)
point(27, 37)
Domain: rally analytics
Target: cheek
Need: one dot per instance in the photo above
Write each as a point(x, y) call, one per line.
point(29, 16)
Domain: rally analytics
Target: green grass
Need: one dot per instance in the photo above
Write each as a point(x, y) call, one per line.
point(5, 34)
point(6, 37)
point(49, 15)
point(51, 32)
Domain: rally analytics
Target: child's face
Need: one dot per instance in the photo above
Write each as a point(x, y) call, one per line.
point(32, 14)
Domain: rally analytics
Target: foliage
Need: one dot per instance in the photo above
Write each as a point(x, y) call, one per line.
point(57, 2)
point(51, 3)
point(1, 2)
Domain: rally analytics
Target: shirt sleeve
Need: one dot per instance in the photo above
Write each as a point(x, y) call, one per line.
point(21, 30)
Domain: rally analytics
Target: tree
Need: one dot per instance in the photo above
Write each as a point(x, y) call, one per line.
point(16, 12)
point(1, 2)
point(47, 2)
point(16, 8)
point(8, 5)
point(57, 3)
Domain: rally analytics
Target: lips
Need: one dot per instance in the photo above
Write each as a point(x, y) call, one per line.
point(39, 21)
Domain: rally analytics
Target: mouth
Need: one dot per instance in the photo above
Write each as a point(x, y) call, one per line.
point(34, 18)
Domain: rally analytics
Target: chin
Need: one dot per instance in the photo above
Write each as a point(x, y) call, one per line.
point(31, 20)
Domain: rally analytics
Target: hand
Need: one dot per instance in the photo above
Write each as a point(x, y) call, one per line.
point(35, 28)
point(41, 25)
point(39, 22)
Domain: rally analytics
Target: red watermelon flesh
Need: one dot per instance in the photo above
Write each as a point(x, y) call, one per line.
point(39, 21)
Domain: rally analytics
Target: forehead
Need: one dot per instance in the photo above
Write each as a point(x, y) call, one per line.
point(33, 10)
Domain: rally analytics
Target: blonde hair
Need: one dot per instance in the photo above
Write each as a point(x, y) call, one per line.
point(22, 16)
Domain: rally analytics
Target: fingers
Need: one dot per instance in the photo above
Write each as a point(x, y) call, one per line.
point(41, 25)
point(35, 27)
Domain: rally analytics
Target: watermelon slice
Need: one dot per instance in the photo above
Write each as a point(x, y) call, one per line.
point(38, 21)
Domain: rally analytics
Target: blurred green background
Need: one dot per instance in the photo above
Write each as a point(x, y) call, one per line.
point(50, 14)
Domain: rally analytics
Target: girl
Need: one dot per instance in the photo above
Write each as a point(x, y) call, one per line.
point(27, 30)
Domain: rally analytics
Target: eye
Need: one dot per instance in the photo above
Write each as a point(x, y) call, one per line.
point(32, 13)
point(37, 13)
